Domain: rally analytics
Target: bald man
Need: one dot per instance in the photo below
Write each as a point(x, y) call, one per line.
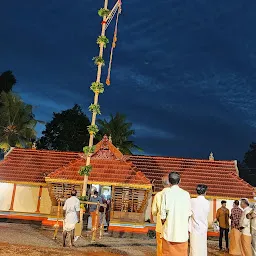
point(156, 211)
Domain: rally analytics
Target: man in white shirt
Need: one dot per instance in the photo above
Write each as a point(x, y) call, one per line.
point(175, 213)
point(245, 228)
point(156, 207)
point(71, 211)
point(199, 222)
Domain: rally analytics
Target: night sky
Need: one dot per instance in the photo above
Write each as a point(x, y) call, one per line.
point(183, 71)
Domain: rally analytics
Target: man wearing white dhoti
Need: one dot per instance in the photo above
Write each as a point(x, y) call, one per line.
point(71, 211)
point(156, 211)
point(198, 222)
point(175, 213)
point(245, 228)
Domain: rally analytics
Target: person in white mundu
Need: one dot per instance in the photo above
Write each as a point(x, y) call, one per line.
point(198, 223)
point(175, 213)
point(71, 211)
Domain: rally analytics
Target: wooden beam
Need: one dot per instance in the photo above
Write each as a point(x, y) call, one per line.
point(214, 201)
point(13, 196)
point(39, 199)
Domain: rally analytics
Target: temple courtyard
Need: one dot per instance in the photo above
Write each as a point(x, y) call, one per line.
point(33, 240)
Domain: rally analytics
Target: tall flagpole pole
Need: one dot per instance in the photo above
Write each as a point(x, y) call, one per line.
point(97, 87)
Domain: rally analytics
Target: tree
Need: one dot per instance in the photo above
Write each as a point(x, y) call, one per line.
point(247, 168)
point(120, 131)
point(7, 81)
point(17, 122)
point(66, 132)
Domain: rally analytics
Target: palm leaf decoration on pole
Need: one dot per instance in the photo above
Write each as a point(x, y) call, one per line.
point(97, 87)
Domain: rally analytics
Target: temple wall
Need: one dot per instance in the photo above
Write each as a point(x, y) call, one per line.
point(148, 209)
point(46, 203)
point(5, 196)
point(26, 198)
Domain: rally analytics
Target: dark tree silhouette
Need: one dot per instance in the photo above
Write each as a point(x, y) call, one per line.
point(66, 132)
point(120, 131)
point(247, 168)
point(7, 81)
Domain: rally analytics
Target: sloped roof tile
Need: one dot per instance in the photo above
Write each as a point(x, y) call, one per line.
point(221, 177)
point(103, 170)
point(24, 165)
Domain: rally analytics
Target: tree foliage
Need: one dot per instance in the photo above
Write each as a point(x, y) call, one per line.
point(17, 122)
point(247, 168)
point(120, 131)
point(7, 81)
point(66, 132)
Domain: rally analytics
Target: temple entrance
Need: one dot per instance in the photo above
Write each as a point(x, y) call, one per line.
point(105, 195)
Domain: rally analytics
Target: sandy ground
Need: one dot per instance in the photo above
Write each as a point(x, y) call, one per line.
point(32, 240)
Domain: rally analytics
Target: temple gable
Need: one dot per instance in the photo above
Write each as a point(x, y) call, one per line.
point(106, 150)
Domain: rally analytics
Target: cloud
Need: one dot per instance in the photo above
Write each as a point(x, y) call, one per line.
point(183, 71)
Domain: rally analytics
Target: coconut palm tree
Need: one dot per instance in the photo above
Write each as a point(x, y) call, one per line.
point(17, 122)
point(7, 81)
point(120, 131)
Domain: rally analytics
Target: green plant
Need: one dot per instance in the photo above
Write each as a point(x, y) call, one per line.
point(98, 60)
point(103, 12)
point(92, 129)
point(5, 147)
point(83, 198)
point(95, 108)
point(97, 87)
point(85, 170)
point(102, 40)
point(89, 150)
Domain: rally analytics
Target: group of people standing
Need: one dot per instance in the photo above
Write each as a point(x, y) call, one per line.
point(177, 216)
point(71, 212)
point(242, 236)
point(180, 218)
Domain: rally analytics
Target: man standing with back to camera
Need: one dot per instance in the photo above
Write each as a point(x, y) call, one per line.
point(175, 213)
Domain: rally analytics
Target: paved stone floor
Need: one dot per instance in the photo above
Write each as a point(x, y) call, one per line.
point(31, 240)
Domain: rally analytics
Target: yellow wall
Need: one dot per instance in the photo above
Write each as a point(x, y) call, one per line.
point(148, 209)
point(5, 196)
point(210, 216)
point(26, 198)
point(46, 203)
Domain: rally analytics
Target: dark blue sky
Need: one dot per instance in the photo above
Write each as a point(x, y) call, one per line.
point(183, 71)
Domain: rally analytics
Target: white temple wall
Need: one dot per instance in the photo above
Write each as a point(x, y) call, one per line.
point(148, 209)
point(5, 196)
point(46, 203)
point(26, 198)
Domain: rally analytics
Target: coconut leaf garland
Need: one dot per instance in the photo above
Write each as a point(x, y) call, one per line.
point(95, 108)
point(98, 60)
point(102, 40)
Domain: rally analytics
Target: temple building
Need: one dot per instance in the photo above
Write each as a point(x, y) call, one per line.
point(32, 180)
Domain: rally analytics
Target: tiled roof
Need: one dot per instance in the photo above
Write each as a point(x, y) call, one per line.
point(109, 165)
point(220, 176)
point(24, 165)
point(104, 170)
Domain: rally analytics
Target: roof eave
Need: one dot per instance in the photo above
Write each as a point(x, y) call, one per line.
point(102, 183)
point(24, 183)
